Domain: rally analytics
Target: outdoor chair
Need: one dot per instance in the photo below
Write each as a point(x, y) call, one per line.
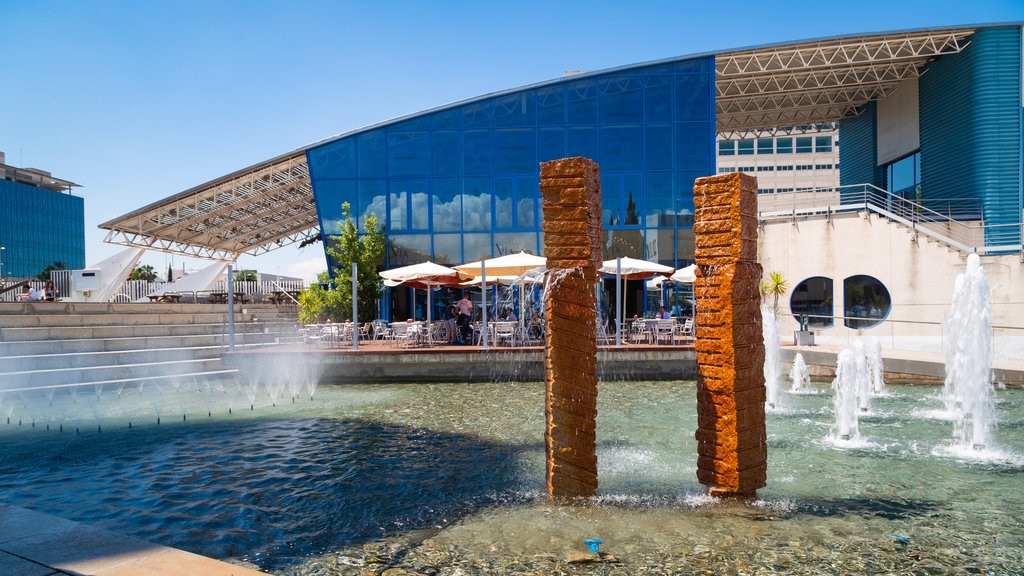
point(665, 330)
point(504, 333)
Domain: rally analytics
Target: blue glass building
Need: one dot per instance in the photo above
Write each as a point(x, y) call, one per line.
point(41, 224)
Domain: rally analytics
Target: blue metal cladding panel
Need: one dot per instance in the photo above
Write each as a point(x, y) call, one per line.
point(971, 125)
point(857, 150)
point(38, 228)
point(468, 172)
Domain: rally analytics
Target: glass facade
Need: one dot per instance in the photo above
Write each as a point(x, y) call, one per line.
point(461, 183)
point(39, 227)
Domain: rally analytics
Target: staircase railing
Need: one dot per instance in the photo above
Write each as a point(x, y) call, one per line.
point(961, 225)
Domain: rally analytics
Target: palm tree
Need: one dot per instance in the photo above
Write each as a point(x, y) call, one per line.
point(143, 272)
point(775, 285)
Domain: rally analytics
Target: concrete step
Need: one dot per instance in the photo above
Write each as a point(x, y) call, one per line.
point(80, 345)
point(55, 377)
point(66, 320)
point(113, 331)
point(113, 358)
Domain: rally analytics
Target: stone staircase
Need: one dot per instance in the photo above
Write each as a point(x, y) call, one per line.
point(65, 345)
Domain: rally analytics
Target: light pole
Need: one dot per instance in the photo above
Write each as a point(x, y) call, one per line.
point(2, 282)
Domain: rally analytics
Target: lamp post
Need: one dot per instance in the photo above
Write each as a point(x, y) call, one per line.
point(2, 282)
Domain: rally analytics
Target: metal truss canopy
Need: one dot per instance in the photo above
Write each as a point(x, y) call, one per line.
point(821, 82)
point(252, 211)
point(789, 88)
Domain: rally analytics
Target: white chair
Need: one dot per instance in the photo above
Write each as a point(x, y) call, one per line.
point(665, 330)
point(403, 334)
point(686, 329)
point(503, 333)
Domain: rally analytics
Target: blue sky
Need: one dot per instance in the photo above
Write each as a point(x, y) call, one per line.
point(138, 100)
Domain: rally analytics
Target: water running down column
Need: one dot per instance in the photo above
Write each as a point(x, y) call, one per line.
point(571, 193)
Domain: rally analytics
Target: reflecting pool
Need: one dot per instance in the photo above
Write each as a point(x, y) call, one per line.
point(449, 479)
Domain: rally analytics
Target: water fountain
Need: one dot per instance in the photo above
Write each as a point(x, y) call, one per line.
point(799, 375)
point(875, 367)
point(861, 377)
point(770, 330)
point(967, 392)
point(844, 400)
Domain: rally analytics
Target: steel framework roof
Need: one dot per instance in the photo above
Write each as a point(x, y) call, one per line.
point(785, 87)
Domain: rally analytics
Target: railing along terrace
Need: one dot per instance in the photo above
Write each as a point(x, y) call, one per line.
point(956, 222)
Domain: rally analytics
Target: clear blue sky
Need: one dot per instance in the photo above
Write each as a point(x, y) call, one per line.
point(139, 100)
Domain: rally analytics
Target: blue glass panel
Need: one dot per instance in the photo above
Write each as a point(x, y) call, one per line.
point(476, 247)
point(415, 123)
point(581, 99)
point(515, 150)
point(659, 199)
point(330, 195)
point(583, 142)
point(408, 249)
point(684, 195)
point(621, 100)
point(477, 114)
point(623, 244)
point(476, 152)
point(632, 185)
point(476, 204)
point(551, 105)
point(694, 66)
point(409, 206)
point(504, 196)
point(659, 147)
point(514, 110)
point(512, 242)
point(372, 200)
point(784, 145)
point(611, 200)
point(693, 146)
point(335, 160)
point(446, 153)
point(693, 97)
point(658, 98)
point(622, 148)
point(550, 144)
point(667, 68)
point(408, 154)
point(398, 206)
point(447, 119)
point(373, 160)
point(448, 249)
point(446, 205)
point(527, 193)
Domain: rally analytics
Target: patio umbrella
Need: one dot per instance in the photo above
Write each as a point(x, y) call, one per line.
point(687, 275)
point(426, 275)
point(508, 265)
point(626, 268)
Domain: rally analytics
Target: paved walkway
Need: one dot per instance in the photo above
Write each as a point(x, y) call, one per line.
point(35, 544)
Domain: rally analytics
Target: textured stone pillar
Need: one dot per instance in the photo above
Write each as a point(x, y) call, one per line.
point(732, 453)
point(571, 192)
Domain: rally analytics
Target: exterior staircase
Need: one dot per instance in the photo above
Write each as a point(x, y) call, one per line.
point(63, 345)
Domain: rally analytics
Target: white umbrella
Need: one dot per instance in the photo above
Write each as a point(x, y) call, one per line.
point(687, 275)
point(508, 265)
point(423, 275)
point(634, 269)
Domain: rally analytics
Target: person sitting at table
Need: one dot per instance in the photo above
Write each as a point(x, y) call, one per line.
point(509, 316)
point(663, 314)
point(49, 292)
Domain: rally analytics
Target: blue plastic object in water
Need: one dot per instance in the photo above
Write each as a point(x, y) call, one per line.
point(593, 544)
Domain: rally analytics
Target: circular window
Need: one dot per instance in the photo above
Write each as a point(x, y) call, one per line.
point(811, 303)
point(866, 302)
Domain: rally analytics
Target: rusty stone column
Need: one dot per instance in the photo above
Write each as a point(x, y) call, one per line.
point(732, 451)
point(571, 191)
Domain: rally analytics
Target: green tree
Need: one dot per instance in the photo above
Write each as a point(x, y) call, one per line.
point(245, 276)
point(45, 274)
point(366, 250)
point(143, 272)
point(774, 286)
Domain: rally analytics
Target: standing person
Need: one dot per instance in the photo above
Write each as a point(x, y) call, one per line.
point(465, 307)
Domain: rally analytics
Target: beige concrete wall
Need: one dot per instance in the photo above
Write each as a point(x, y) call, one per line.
point(919, 275)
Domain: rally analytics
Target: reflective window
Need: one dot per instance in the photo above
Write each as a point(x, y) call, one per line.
point(784, 145)
point(903, 177)
point(448, 249)
point(373, 159)
point(866, 301)
point(765, 146)
point(406, 249)
point(372, 200)
point(476, 204)
point(823, 143)
point(804, 144)
point(727, 148)
point(745, 147)
point(811, 303)
point(446, 205)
